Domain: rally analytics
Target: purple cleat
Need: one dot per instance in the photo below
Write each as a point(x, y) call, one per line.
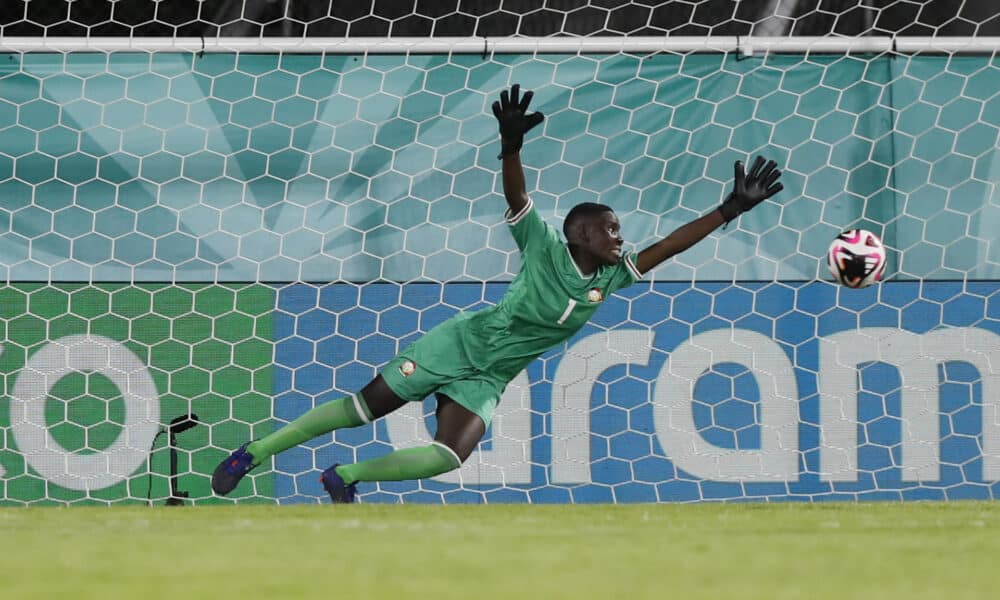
point(340, 492)
point(230, 471)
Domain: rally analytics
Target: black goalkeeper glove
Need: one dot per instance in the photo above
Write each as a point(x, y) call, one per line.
point(511, 112)
point(751, 188)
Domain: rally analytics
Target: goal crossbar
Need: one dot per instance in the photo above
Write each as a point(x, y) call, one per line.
point(747, 45)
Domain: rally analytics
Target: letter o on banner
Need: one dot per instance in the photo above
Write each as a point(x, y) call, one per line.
point(84, 354)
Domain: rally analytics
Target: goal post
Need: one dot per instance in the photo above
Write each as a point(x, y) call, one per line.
point(242, 228)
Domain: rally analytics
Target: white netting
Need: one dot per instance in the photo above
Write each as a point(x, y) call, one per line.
point(242, 236)
point(496, 18)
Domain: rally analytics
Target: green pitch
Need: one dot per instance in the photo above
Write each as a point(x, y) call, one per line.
point(919, 550)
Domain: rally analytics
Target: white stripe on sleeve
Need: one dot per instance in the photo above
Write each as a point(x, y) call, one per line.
point(629, 262)
point(514, 219)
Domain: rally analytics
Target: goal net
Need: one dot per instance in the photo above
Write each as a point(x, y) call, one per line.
point(241, 215)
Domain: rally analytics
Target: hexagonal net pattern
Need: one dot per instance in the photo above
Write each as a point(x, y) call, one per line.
point(495, 18)
point(244, 236)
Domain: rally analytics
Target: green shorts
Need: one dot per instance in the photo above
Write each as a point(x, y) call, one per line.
point(436, 364)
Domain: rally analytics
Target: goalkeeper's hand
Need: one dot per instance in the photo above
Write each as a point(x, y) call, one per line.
point(512, 113)
point(751, 188)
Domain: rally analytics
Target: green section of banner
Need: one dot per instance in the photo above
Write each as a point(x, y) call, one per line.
point(206, 347)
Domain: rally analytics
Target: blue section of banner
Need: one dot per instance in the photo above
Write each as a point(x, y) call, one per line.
point(331, 341)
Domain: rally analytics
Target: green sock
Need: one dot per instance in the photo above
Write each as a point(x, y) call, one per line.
point(349, 411)
point(401, 465)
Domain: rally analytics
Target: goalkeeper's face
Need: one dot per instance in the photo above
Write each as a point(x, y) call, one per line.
point(604, 238)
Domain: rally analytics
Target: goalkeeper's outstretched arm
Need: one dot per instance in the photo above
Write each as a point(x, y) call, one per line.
point(513, 183)
point(749, 190)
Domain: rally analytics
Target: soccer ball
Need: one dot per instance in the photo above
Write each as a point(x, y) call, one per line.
point(856, 258)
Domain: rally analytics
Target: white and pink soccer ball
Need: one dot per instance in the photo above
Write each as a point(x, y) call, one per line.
point(856, 258)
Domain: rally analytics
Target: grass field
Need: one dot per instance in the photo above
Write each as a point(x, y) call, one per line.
point(912, 550)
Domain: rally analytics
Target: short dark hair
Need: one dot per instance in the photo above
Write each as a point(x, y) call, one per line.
point(581, 211)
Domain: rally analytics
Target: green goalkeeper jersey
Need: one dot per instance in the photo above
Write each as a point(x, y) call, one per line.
point(548, 301)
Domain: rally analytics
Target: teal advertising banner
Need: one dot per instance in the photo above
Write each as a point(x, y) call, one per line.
point(177, 167)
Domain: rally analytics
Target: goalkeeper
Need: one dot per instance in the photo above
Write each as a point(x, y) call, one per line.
point(467, 361)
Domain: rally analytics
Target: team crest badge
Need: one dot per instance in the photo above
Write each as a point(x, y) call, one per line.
point(594, 296)
point(407, 368)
